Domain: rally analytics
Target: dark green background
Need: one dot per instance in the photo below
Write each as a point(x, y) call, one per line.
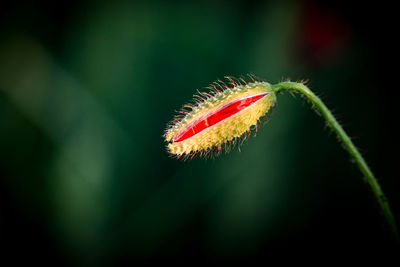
point(87, 89)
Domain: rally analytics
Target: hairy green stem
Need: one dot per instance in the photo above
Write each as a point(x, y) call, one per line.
point(348, 145)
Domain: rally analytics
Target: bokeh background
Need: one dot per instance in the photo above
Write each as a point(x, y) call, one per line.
point(88, 87)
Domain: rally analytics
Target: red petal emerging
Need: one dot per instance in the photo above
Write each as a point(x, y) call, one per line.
point(217, 116)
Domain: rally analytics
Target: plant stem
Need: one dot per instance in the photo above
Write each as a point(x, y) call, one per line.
point(348, 145)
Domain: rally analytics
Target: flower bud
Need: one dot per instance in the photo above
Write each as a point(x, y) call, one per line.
point(219, 119)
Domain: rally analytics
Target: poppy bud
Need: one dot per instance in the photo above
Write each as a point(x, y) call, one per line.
point(219, 119)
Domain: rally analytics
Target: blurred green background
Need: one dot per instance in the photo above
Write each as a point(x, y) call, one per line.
point(87, 89)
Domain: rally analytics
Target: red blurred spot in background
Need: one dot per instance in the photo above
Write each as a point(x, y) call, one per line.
point(325, 34)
